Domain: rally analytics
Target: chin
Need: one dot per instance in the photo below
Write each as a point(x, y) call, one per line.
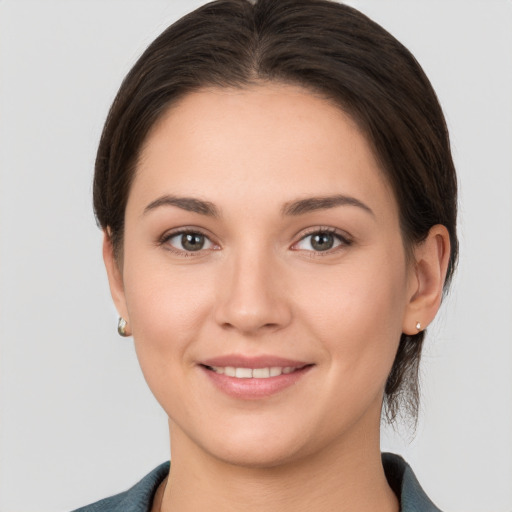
point(260, 447)
point(266, 446)
point(262, 456)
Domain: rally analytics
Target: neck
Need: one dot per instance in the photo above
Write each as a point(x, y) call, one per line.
point(346, 477)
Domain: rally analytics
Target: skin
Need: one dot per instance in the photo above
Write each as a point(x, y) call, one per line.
point(259, 287)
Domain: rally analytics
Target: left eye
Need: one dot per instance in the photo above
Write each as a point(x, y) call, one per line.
point(190, 241)
point(320, 241)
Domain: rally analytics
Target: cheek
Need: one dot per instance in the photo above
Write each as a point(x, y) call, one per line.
point(167, 308)
point(357, 312)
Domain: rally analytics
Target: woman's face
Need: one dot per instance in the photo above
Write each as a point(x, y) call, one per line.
point(264, 276)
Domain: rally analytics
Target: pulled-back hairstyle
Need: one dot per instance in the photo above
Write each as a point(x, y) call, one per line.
point(330, 49)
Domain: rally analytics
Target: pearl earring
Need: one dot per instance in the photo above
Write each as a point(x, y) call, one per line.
point(418, 326)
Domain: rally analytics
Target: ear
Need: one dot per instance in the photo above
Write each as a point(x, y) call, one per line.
point(115, 276)
point(430, 264)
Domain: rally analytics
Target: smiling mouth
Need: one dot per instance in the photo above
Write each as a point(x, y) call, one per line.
point(254, 373)
point(254, 378)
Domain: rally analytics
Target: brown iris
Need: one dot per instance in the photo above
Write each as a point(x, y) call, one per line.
point(192, 241)
point(322, 241)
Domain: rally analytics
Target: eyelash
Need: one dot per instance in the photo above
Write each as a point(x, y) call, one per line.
point(164, 241)
point(343, 240)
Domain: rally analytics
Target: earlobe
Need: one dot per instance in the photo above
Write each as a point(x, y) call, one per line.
point(431, 259)
point(115, 276)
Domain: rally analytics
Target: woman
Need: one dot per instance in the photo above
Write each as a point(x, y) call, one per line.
point(278, 201)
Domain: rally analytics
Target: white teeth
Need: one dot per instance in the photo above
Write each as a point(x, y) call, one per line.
point(229, 371)
point(261, 373)
point(275, 371)
point(243, 373)
point(253, 373)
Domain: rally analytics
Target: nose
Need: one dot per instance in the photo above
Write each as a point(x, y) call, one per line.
point(253, 297)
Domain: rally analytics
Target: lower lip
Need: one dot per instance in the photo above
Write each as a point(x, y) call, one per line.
point(250, 389)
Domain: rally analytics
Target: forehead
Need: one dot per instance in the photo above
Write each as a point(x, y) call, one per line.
point(258, 140)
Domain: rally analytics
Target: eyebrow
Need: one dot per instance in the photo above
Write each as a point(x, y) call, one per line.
point(313, 204)
point(293, 208)
point(190, 204)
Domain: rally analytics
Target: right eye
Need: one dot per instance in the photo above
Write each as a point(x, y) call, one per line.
point(189, 241)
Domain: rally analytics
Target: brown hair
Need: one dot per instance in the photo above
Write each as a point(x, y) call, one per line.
point(330, 49)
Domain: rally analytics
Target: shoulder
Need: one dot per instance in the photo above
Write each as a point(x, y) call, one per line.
point(136, 499)
point(405, 485)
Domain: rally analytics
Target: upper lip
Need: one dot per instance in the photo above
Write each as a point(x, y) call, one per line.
point(262, 361)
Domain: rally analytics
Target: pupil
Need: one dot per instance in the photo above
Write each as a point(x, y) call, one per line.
point(322, 241)
point(192, 241)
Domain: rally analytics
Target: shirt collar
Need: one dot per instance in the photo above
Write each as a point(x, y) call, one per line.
point(405, 485)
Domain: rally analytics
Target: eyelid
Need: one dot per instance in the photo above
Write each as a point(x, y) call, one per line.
point(345, 239)
point(183, 230)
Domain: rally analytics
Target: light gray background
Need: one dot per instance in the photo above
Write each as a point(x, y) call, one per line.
point(77, 422)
